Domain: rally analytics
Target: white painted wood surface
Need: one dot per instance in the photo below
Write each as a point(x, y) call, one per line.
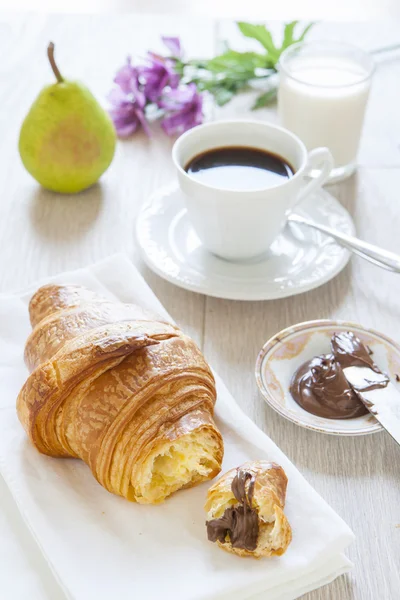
point(42, 233)
point(359, 10)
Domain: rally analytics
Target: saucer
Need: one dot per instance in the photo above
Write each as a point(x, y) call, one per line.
point(294, 263)
point(281, 356)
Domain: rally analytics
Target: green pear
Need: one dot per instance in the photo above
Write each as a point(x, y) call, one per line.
point(67, 140)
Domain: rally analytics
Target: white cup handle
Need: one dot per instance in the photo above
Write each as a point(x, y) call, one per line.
point(319, 158)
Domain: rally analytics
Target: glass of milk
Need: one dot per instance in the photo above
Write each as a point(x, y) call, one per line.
point(322, 96)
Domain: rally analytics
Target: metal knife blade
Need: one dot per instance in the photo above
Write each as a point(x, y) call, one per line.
point(382, 402)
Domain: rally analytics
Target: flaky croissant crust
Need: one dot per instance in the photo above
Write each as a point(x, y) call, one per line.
point(121, 389)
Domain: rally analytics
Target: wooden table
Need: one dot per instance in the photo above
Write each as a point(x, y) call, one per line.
point(356, 10)
point(41, 234)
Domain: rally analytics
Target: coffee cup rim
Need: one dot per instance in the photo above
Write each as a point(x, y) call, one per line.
point(234, 122)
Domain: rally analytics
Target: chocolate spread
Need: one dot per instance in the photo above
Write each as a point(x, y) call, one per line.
point(349, 351)
point(320, 386)
point(239, 522)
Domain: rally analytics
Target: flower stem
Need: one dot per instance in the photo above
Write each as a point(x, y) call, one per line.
point(50, 54)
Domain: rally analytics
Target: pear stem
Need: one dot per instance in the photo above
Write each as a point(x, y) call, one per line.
point(50, 54)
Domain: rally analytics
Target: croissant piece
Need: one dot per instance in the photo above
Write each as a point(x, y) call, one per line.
point(245, 510)
point(121, 389)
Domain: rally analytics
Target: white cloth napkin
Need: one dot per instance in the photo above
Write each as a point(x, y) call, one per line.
point(99, 546)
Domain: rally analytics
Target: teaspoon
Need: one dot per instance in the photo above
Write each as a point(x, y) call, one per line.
point(374, 254)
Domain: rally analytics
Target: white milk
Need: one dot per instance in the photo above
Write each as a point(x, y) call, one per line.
point(323, 101)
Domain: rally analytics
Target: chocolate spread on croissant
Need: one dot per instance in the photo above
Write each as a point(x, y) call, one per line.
point(320, 386)
point(239, 522)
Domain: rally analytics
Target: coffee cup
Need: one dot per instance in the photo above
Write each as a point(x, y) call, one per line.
point(242, 224)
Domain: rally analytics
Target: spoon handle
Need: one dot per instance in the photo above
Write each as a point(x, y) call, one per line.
point(374, 254)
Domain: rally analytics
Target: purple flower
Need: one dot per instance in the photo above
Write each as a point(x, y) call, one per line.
point(174, 46)
point(128, 103)
point(156, 75)
point(183, 107)
point(125, 76)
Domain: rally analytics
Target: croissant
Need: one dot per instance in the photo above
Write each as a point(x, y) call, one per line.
point(121, 389)
point(245, 510)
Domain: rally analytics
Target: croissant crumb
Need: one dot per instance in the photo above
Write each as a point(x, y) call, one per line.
point(182, 464)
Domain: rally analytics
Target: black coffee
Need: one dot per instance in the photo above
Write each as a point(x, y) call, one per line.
point(239, 168)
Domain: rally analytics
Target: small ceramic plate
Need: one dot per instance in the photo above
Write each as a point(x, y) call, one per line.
point(294, 264)
point(287, 350)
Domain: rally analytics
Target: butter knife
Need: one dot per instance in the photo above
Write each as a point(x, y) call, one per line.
point(379, 395)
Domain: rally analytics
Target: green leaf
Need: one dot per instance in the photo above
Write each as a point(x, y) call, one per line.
point(288, 37)
point(232, 60)
point(262, 35)
point(223, 96)
point(264, 99)
point(179, 67)
point(198, 64)
point(305, 31)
